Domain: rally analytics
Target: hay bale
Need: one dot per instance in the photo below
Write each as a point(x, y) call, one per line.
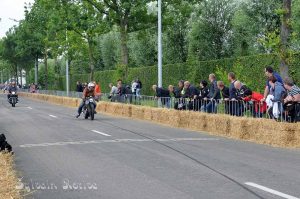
point(147, 113)
point(126, 110)
point(138, 112)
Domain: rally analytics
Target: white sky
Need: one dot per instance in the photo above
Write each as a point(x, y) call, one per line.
point(11, 9)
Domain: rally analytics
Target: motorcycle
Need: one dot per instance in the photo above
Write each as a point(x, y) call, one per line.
point(13, 99)
point(89, 108)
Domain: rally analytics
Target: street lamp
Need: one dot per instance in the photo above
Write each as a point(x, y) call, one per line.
point(159, 45)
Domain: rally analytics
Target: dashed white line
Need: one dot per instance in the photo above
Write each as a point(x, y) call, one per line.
point(29, 107)
point(272, 191)
point(53, 116)
point(114, 141)
point(104, 134)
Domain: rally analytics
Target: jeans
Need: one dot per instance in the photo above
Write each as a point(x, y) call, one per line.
point(211, 107)
point(82, 105)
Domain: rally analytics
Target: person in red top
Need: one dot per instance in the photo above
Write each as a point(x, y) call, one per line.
point(89, 91)
point(97, 91)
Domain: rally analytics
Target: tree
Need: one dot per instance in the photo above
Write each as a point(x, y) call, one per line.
point(284, 37)
point(211, 30)
point(128, 15)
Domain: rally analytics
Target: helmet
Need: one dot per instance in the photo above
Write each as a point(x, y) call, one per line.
point(91, 86)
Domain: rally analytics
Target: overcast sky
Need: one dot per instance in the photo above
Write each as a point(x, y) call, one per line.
point(13, 9)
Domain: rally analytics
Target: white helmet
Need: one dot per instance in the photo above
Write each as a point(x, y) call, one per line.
point(91, 85)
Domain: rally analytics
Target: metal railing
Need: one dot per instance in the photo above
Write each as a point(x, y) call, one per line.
point(238, 108)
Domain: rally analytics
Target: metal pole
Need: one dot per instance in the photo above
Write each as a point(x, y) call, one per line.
point(67, 77)
point(159, 45)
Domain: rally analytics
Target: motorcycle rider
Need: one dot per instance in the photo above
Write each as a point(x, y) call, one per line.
point(87, 92)
point(12, 88)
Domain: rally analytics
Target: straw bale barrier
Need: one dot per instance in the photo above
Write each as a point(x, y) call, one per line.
point(263, 131)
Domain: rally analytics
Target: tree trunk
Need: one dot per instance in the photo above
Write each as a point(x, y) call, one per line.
point(124, 47)
point(91, 59)
point(36, 71)
point(46, 69)
point(284, 36)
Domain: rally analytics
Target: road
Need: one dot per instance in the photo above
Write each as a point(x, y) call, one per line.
point(61, 157)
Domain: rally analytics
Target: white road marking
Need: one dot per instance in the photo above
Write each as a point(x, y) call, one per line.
point(104, 134)
point(53, 116)
point(29, 107)
point(272, 191)
point(115, 141)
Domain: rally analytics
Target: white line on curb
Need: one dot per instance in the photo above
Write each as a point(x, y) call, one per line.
point(272, 191)
point(53, 116)
point(101, 133)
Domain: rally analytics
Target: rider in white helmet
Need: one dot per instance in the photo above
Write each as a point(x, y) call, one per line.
point(87, 92)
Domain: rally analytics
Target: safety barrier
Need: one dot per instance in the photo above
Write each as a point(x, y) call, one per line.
point(259, 130)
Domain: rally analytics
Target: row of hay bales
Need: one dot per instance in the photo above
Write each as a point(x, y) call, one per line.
point(261, 131)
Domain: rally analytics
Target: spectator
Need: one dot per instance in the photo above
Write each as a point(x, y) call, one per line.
point(178, 94)
point(279, 92)
point(134, 86)
point(213, 95)
point(293, 94)
point(97, 91)
point(121, 91)
point(113, 92)
point(243, 92)
point(190, 93)
point(203, 93)
point(79, 87)
point(224, 94)
point(163, 95)
point(291, 102)
point(270, 72)
point(138, 87)
point(233, 103)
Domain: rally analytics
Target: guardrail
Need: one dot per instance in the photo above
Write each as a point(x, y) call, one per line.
point(239, 108)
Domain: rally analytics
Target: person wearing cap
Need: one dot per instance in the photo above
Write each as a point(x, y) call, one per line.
point(89, 91)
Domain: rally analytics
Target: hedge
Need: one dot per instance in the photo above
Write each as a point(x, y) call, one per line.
point(249, 69)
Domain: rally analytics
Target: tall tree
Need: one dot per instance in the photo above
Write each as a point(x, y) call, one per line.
point(284, 36)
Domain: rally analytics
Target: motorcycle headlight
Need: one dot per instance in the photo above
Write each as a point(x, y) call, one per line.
point(13, 93)
point(91, 100)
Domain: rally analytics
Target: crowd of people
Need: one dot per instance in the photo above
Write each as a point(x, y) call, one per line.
point(280, 99)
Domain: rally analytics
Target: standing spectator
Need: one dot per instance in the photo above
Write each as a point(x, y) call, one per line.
point(224, 95)
point(233, 104)
point(178, 94)
point(270, 72)
point(121, 94)
point(203, 93)
point(97, 91)
point(79, 87)
point(138, 87)
point(163, 95)
point(279, 92)
point(134, 87)
point(291, 102)
point(113, 92)
point(213, 95)
point(190, 93)
point(243, 92)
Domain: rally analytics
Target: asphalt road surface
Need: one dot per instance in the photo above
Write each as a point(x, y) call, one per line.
point(61, 157)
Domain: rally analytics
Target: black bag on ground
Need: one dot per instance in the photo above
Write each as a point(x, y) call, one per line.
point(4, 146)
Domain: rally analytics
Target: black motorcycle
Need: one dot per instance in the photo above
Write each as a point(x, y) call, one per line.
point(89, 108)
point(13, 98)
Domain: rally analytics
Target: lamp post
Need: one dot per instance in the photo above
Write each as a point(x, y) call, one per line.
point(159, 45)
